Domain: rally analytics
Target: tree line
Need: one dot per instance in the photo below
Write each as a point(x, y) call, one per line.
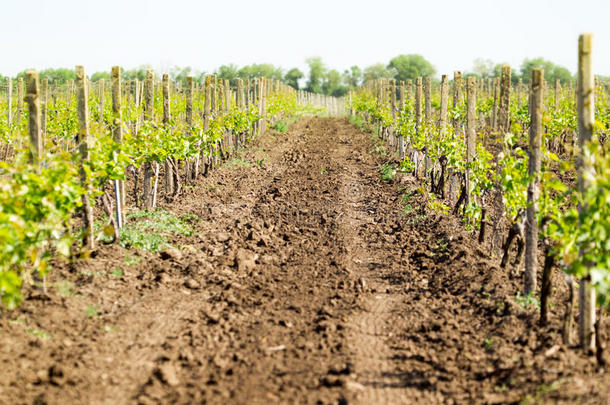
point(323, 80)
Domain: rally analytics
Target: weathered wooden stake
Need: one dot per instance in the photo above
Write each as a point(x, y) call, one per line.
point(33, 99)
point(504, 113)
point(444, 102)
point(9, 101)
point(100, 91)
point(533, 188)
point(44, 89)
point(586, 120)
point(83, 145)
point(471, 102)
point(19, 100)
point(117, 135)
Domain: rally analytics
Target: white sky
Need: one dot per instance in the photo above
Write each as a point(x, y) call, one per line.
point(206, 34)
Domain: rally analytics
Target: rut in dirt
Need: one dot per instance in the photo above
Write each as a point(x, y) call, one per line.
point(308, 279)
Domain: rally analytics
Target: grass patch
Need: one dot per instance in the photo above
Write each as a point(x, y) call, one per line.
point(281, 126)
point(130, 260)
point(117, 273)
point(92, 311)
point(388, 172)
point(152, 230)
point(65, 288)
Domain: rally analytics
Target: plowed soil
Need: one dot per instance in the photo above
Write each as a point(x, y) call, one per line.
point(308, 280)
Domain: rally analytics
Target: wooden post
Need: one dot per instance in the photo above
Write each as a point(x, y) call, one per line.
point(100, 90)
point(9, 101)
point(586, 120)
point(169, 174)
point(494, 116)
point(33, 99)
point(444, 102)
point(457, 97)
point(418, 103)
point(227, 96)
point(19, 100)
point(504, 113)
point(148, 89)
point(393, 97)
point(471, 99)
point(457, 88)
point(427, 97)
point(409, 90)
point(192, 167)
point(213, 94)
point(263, 105)
point(44, 89)
point(401, 96)
point(189, 101)
point(149, 94)
point(519, 86)
point(557, 93)
point(533, 188)
point(83, 145)
point(117, 135)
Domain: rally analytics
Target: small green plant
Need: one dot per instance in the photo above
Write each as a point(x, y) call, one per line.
point(388, 171)
point(259, 162)
point(150, 230)
point(40, 334)
point(130, 260)
point(500, 306)
point(324, 170)
point(407, 209)
point(489, 344)
point(65, 288)
point(239, 162)
point(117, 272)
point(92, 311)
point(528, 301)
point(280, 126)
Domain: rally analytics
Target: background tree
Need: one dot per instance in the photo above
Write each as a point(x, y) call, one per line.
point(137, 73)
point(292, 77)
point(376, 71)
point(261, 70)
point(333, 85)
point(483, 68)
point(352, 77)
point(100, 75)
point(317, 72)
point(551, 70)
point(412, 66)
point(228, 72)
point(179, 74)
point(59, 75)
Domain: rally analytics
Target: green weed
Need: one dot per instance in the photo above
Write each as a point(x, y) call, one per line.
point(117, 272)
point(65, 288)
point(92, 311)
point(527, 301)
point(280, 126)
point(150, 230)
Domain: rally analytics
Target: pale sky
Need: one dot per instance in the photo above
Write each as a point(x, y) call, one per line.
point(206, 34)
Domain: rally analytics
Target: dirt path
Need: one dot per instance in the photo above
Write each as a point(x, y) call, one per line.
point(307, 279)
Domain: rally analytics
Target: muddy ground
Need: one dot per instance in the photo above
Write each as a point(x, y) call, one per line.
point(308, 279)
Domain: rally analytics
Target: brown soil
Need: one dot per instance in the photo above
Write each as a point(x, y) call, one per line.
point(307, 281)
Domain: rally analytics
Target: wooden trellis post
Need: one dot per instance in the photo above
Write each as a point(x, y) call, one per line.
point(117, 135)
point(533, 188)
point(586, 120)
point(33, 99)
point(471, 102)
point(82, 141)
